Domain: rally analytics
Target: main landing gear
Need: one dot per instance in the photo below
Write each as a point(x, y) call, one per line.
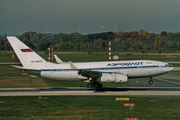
point(150, 81)
point(94, 84)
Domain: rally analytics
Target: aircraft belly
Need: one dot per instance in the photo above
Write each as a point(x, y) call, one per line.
point(69, 76)
point(145, 73)
point(133, 73)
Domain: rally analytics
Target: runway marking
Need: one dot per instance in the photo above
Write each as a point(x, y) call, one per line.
point(167, 81)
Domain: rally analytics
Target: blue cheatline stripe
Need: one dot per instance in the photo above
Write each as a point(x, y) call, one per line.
point(108, 68)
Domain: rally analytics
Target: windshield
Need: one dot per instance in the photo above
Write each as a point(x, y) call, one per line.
point(168, 65)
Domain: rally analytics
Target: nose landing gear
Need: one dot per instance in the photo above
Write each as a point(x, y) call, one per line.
point(150, 81)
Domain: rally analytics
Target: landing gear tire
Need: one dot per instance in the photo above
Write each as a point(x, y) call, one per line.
point(100, 85)
point(150, 82)
point(95, 84)
point(89, 85)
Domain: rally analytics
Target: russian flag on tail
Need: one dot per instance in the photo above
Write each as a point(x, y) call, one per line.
point(26, 50)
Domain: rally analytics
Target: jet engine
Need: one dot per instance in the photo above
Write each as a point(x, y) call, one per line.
point(118, 78)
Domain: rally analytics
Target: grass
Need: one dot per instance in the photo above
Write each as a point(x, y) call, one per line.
point(22, 83)
point(13, 78)
point(7, 57)
point(87, 107)
point(95, 57)
point(105, 57)
point(177, 72)
point(9, 71)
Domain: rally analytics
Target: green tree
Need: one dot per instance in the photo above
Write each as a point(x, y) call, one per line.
point(146, 47)
point(28, 43)
point(161, 43)
point(89, 46)
point(98, 44)
point(178, 45)
point(163, 33)
point(156, 44)
point(62, 46)
point(83, 46)
point(7, 46)
point(2, 42)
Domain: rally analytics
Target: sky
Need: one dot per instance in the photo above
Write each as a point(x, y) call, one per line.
point(90, 16)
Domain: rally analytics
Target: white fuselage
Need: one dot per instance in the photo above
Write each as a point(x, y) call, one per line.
point(132, 68)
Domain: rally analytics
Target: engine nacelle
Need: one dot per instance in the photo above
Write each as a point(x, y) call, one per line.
point(118, 78)
point(121, 78)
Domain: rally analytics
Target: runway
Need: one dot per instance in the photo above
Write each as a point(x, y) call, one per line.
point(123, 91)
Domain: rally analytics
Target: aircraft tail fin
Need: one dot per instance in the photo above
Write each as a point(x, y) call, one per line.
point(26, 55)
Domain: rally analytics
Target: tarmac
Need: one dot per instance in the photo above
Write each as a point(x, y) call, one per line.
point(122, 91)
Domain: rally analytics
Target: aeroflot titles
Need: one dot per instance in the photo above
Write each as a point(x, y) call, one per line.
point(125, 64)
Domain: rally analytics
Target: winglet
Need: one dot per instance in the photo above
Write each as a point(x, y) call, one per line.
point(72, 66)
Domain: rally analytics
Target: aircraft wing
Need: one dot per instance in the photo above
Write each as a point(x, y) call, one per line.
point(84, 72)
point(89, 73)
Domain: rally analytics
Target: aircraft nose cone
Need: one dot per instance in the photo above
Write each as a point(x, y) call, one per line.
point(171, 68)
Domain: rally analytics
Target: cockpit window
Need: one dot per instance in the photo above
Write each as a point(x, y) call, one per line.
point(167, 65)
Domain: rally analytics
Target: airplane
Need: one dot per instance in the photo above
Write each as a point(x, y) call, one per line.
point(95, 72)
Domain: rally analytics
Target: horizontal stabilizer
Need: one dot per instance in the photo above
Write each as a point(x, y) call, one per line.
point(25, 69)
point(17, 67)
